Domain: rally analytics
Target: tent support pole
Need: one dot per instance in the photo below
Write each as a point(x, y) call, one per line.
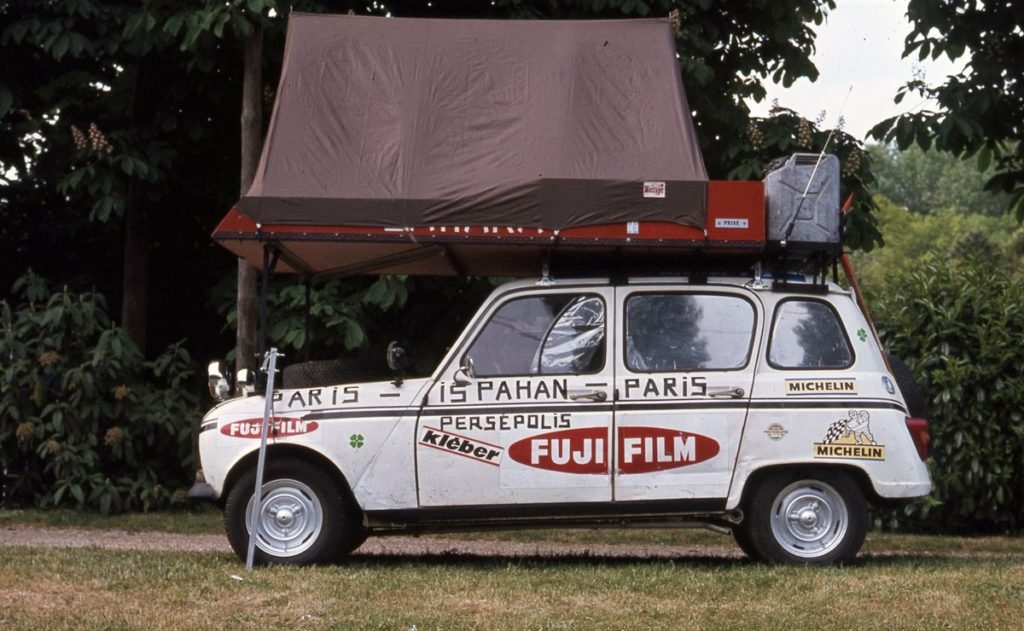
point(308, 321)
point(270, 256)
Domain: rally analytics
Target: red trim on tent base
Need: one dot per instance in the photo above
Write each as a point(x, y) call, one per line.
point(735, 225)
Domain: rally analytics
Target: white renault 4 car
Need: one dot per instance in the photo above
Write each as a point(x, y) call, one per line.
point(768, 412)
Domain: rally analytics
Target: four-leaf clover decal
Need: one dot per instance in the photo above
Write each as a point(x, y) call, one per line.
point(356, 441)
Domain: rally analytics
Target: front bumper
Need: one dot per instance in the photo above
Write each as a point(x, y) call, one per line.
point(201, 491)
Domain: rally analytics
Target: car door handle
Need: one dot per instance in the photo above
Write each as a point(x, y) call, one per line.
point(726, 391)
point(589, 395)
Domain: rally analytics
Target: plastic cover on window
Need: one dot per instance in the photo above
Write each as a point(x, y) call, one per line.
point(575, 343)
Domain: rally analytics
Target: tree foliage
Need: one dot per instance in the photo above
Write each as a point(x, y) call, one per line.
point(932, 181)
point(959, 324)
point(110, 108)
point(980, 110)
point(85, 420)
point(357, 317)
point(945, 234)
point(784, 132)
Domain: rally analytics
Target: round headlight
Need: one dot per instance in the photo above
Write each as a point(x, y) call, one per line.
point(217, 373)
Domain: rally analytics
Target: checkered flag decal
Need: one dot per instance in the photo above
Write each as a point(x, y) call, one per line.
point(835, 431)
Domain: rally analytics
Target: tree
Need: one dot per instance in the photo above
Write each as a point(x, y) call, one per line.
point(931, 181)
point(252, 123)
point(980, 110)
point(120, 120)
point(945, 234)
point(118, 109)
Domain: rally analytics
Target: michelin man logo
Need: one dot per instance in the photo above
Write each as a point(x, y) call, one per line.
point(850, 437)
point(855, 427)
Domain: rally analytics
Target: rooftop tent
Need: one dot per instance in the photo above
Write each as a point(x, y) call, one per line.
point(432, 146)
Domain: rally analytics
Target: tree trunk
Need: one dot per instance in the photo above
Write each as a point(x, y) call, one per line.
point(252, 123)
point(135, 277)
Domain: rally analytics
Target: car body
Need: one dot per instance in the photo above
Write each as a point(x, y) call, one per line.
point(739, 403)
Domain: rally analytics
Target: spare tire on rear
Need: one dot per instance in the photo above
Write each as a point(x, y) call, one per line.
point(913, 393)
point(329, 372)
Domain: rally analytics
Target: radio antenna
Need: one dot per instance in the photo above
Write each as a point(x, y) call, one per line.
point(817, 163)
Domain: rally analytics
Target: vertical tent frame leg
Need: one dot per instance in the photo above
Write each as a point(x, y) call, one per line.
point(270, 257)
point(308, 324)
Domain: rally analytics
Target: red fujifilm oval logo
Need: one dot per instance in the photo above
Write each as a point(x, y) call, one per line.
point(582, 450)
point(646, 449)
point(281, 427)
point(641, 450)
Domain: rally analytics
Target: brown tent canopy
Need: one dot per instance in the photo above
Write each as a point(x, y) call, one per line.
point(408, 124)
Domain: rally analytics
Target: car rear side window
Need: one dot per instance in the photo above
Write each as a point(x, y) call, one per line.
point(561, 334)
point(807, 335)
point(683, 332)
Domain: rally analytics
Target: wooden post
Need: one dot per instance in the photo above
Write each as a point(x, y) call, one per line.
point(252, 123)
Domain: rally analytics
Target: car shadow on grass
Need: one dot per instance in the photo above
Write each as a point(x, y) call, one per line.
point(712, 561)
point(498, 560)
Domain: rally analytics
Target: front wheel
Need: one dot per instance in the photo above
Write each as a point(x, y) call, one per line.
point(303, 518)
point(814, 519)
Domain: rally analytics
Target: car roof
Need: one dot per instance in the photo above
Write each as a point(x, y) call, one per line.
point(798, 282)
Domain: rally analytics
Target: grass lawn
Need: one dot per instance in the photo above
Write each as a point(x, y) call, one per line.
point(93, 588)
point(900, 581)
point(200, 520)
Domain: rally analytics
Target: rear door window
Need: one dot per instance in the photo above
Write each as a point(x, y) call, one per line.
point(808, 335)
point(679, 332)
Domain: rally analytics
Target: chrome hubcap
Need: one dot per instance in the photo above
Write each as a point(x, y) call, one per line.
point(290, 520)
point(809, 519)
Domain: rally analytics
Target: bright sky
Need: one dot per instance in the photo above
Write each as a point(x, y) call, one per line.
point(861, 45)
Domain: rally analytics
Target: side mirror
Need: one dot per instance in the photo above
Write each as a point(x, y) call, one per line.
point(397, 357)
point(469, 367)
point(245, 382)
point(466, 371)
point(220, 387)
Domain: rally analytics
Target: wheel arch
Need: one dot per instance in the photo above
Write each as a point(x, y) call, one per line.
point(300, 452)
point(858, 475)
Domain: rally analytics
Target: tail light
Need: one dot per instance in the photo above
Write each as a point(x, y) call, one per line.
point(918, 428)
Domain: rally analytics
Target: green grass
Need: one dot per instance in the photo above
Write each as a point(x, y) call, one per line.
point(199, 520)
point(899, 581)
point(93, 588)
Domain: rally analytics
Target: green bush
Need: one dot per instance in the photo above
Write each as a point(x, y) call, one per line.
point(356, 317)
point(960, 326)
point(85, 420)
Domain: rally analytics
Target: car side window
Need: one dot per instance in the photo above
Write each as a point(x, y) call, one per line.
point(807, 334)
point(683, 332)
point(561, 334)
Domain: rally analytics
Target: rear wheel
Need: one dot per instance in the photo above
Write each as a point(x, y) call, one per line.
point(304, 517)
point(810, 519)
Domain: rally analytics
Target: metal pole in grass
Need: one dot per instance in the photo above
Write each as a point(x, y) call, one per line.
point(253, 518)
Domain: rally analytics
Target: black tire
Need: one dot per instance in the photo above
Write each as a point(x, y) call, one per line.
point(913, 393)
point(741, 534)
point(329, 372)
point(307, 500)
point(827, 519)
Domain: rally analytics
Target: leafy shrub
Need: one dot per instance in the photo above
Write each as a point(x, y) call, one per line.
point(356, 317)
point(960, 326)
point(85, 420)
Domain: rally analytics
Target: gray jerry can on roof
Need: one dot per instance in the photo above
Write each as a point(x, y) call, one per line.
point(804, 222)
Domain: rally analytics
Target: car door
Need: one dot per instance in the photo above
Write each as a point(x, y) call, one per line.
point(530, 421)
point(683, 380)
